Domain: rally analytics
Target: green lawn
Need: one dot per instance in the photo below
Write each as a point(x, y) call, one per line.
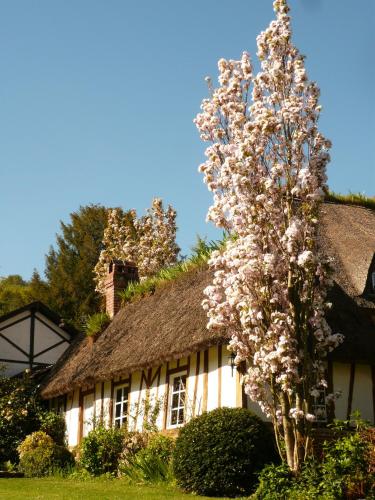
point(98, 489)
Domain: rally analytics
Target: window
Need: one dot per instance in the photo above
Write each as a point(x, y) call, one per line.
point(177, 401)
point(320, 407)
point(121, 405)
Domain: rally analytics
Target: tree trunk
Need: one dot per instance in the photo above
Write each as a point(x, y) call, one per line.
point(288, 434)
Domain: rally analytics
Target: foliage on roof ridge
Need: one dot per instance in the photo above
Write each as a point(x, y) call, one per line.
point(358, 199)
point(96, 323)
point(200, 255)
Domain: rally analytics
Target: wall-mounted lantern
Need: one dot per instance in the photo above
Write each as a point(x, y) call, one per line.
point(231, 362)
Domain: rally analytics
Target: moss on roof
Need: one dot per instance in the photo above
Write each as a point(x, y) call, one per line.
point(198, 260)
point(358, 199)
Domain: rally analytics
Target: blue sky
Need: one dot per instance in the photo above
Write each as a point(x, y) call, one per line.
point(98, 97)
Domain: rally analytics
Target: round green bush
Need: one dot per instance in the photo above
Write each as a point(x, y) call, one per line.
point(40, 455)
point(220, 452)
point(101, 449)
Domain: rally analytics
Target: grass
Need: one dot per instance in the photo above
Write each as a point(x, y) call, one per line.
point(98, 489)
point(201, 254)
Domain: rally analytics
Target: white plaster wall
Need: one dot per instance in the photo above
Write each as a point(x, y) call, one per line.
point(72, 418)
point(341, 377)
point(107, 403)
point(11, 320)
point(228, 383)
point(190, 386)
point(162, 395)
point(50, 357)
point(88, 403)
point(155, 395)
point(97, 401)
point(200, 385)
point(52, 325)
point(19, 334)
point(137, 397)
point(362, 392)
point(213, 379)
point(141, 405)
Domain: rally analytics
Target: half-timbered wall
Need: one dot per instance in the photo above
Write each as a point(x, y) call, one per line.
point(356, 382)
point(211, 382)
point(29, 340)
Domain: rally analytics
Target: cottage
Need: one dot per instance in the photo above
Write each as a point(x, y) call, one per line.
point(157, 352)
point(32, 337)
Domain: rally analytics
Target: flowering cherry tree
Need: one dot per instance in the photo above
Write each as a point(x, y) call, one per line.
point(266, 168)
point(157, 247)
point(149, 242)
point(119, 243)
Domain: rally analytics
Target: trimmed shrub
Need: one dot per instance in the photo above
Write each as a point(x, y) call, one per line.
point(101, 449)
point(219, 453)
point(53, 424)
point(40, 455)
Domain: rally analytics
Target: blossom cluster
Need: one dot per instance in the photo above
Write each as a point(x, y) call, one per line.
point(149, 242)
point(266, 167)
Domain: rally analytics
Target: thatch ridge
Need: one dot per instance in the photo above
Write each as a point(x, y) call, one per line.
point(171, 323)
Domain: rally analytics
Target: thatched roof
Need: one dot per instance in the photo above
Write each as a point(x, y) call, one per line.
point(171, 323)
point(349, 237)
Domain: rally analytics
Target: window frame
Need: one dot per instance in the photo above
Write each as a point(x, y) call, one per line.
point(124, 417)
point(170, 408)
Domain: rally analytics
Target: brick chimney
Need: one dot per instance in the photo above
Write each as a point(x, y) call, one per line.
point(120, 274)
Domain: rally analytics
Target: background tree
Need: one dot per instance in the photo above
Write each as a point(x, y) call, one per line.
point(69, 266)
point(15, 292)
point(266, 168)
point(156, 234)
